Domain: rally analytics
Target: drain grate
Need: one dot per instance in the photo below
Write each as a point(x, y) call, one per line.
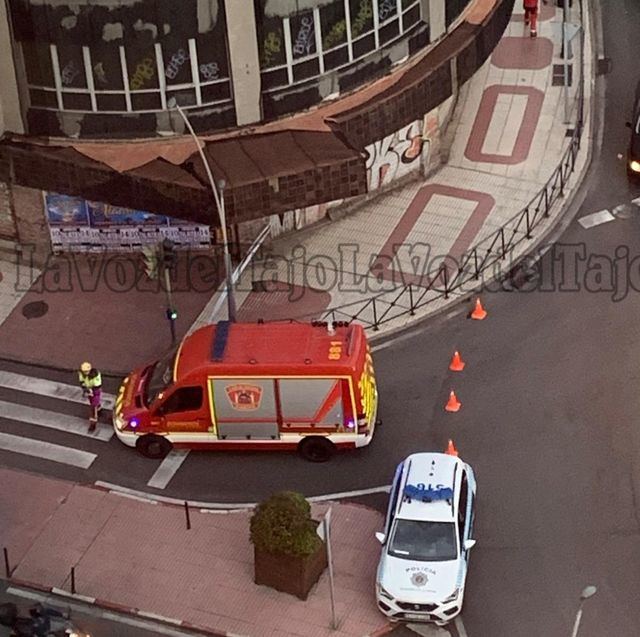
point(35, 309)
point(604, 66)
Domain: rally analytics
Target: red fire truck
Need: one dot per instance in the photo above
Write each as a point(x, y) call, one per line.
point(237, 386)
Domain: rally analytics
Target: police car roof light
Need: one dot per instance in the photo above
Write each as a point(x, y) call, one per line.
point(429, 494)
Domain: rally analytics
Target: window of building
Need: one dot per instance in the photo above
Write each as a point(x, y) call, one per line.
point(115, 79)
point(306, 44)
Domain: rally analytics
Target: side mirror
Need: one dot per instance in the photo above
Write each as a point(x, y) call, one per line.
point(469, 544)
point(381, 537)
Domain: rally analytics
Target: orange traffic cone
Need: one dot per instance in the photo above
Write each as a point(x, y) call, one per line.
point(478, 311)
point(457, 364)
point(451, 449)
point(453, 404)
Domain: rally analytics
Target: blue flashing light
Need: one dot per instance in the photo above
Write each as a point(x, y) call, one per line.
point(133, 423)
point(428, 494)
point(350, 424)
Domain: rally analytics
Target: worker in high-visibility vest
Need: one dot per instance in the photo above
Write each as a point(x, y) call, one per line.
point(91, 382)
point(531, 15)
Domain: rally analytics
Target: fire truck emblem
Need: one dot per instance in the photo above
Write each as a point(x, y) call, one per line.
point(244, 397)
point(419, 579)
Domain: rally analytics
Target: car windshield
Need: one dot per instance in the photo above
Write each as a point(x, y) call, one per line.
point(424, 541)
point(161, 376)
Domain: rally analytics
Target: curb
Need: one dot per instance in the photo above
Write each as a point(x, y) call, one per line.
point(111, 606)
point(129, 611)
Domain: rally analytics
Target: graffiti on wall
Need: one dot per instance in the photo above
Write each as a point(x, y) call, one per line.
point(395, 155)
point(297, 219)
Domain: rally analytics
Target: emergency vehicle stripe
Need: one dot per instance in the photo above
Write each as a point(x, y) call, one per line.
point(54, 420)
point(47, 450)
point(50, 388)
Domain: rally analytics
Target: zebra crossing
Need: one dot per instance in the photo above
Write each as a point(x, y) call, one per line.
point(17, 415)
point(23, 427)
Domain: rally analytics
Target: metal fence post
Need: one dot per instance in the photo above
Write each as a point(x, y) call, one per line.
point(546, 201)
point(186, 512)
point(7, 566)
point(73, 580)
point(561, 180)
point(375, 315)
point(446, 281)
point(526, 212)
point(411, 308)
point(504, 247)
point(475, 263)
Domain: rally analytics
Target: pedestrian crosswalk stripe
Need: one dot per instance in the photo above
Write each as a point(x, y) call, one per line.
point(50, 388)
point(47, 450)
point(595, 219)
point(54, 420)
point(167, 469)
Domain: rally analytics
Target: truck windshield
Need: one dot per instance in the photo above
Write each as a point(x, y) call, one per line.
point(161, 376)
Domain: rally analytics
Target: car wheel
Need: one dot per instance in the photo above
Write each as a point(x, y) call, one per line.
point(316, 449)
point(152, 446)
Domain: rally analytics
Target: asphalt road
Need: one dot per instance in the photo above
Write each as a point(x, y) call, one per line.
point(549, 418)
point(96, 622)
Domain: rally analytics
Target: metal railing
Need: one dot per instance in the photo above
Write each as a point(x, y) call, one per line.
point(486, 254)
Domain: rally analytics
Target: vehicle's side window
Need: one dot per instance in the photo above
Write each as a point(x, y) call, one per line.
point(183, 399)
point(462, 506)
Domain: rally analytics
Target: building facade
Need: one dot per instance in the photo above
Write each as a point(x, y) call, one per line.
point(298, 101)
point(113, 68)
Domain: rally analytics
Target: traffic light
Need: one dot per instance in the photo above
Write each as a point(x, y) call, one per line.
point(169, 255)
point(150, 258)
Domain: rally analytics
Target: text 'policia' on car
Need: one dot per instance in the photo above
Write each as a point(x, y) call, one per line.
point(427, 539)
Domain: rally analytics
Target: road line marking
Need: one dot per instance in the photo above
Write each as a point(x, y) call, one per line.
point(168, 468)
point(595, 219)
point(428, 630)
point(636, 201)
point(349, 494)
point(54, 420)
point(50, 388)
point(462, 632)
point(47, 451)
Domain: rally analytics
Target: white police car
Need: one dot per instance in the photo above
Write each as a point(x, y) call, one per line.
point(427, 539)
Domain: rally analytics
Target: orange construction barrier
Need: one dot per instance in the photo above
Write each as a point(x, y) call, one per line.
point(457, 364)
point(453, 404)
point(451, 449)
point(478, 311)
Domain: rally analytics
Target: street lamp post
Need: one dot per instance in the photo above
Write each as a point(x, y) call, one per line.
point(219, 199)
point(588, 592)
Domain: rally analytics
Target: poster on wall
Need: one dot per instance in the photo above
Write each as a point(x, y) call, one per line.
point(104, 214)
point(79, 225)
point(66, 211)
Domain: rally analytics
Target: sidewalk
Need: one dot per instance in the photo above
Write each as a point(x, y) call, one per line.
point(509, 138)
point(139, 556)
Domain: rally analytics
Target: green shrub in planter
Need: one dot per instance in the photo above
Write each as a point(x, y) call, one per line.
point(289, 555)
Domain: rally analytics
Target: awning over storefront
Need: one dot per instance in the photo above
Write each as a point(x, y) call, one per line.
point(264, 173)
